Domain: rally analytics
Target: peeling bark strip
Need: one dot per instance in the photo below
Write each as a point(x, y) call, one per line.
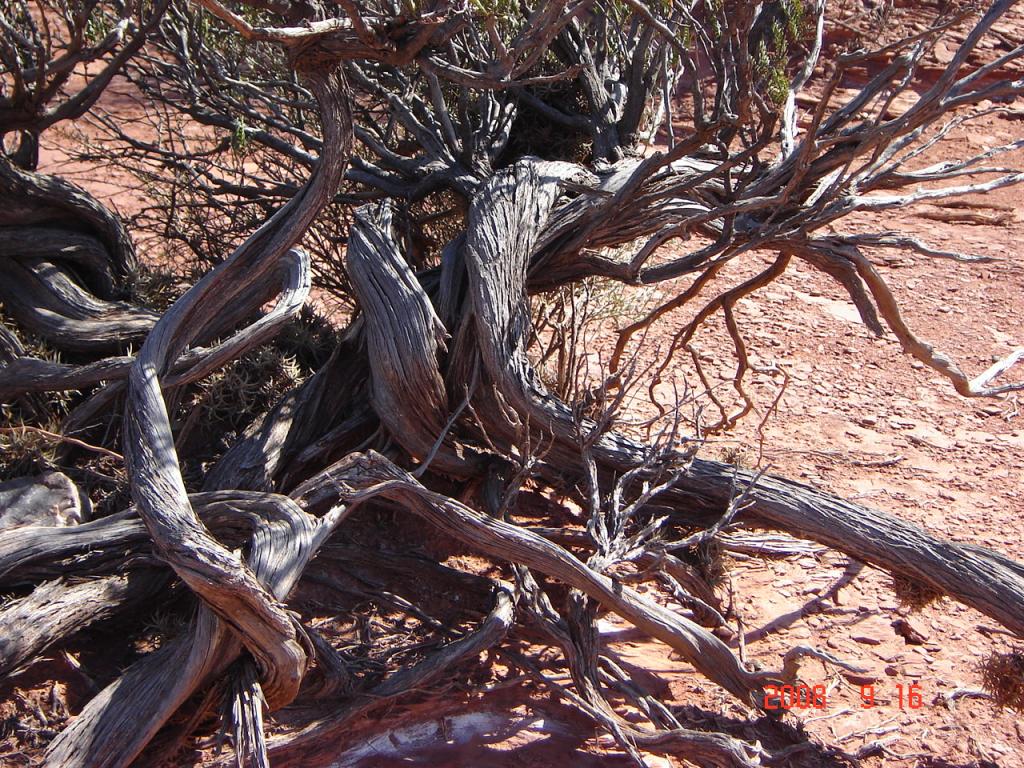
point(403, 335)
point(55, 611)
point(35, 198)
point(505, 222)
point(38, 553)
point(32, 375)
point(45, 300)
point(86, 251)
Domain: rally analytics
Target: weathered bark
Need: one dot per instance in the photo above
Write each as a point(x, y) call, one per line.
point(45, 300)
point(85, 251)
point(376, 476)
point(216, 575)
point(506, 221)
point(38, 199)
point(117, 724)
point(10, 347)
point(502, 227)
point(404, 339)
point(434, 370)
point(981, 578)
point(25, 375)
point(37, 553)
point(246, 595)
point(30, 375)
point(56, 610)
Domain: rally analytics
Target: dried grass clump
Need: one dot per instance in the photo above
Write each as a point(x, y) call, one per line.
point(23, 452)
point(309, 339)
point(712, 563)
point(914, 595)
point(739, 456)
point(1002, 675)
point(157, 288)
point(242, 391)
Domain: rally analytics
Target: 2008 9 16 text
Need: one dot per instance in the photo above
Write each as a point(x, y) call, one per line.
point(788, 697)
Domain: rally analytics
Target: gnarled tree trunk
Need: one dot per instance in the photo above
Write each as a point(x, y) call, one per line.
point(430, 401)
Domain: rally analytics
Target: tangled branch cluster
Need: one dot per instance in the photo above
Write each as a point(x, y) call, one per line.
point(435, 168)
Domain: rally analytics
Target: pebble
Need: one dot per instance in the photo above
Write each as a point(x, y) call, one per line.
point(944, 51)
point(860, 678)
point(902, 423)
point(866, 640)
point(910, 634)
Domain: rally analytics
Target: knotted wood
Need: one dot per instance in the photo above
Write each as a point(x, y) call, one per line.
point(404, 340)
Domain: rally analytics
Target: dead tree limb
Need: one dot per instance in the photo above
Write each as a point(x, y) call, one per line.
point(432, 400)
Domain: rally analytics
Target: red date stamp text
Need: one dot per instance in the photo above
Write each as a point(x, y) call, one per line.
point(790, 697)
